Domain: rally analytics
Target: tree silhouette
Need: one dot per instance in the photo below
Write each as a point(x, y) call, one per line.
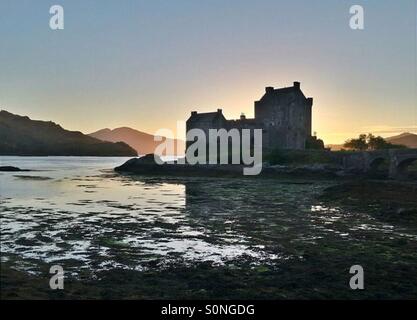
point(357, 144)
point(370, 142)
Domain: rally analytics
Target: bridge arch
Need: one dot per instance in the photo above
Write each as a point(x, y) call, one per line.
point(379, 166)
point(378, 161)
point(403, 166)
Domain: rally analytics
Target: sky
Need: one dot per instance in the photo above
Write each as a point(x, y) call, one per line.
point(148, 64)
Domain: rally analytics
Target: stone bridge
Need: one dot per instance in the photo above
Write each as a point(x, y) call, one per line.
point(367, 161)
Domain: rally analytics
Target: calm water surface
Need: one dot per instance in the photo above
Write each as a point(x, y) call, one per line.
point(78, 213)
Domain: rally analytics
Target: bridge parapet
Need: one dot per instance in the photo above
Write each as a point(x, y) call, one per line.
point(364, 161)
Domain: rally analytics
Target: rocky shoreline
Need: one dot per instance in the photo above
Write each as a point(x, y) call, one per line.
point(147, 166)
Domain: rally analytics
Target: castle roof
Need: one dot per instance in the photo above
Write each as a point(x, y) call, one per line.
point(205, 116)
point(245, 120)
point(283, 91)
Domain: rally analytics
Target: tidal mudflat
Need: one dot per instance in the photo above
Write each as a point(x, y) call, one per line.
point(127, 236)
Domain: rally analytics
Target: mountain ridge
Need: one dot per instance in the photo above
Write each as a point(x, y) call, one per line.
point(408, 139)
point(20, 135)
point(142, 142)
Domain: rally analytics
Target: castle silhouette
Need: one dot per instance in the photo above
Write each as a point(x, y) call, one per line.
point(283, 114)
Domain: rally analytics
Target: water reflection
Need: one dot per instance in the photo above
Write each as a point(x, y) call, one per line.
point(85, 217)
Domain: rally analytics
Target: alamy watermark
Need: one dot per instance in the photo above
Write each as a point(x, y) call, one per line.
point(357, 280)
point(56, 22)
point(215, 146)
point(357, 20)
point(56, 282)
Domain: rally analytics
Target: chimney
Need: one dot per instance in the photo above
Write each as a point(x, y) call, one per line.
point(269, 89)
point(310, 101)
point(193, 113)
point(219, 110)
point(242, 116)
point(296, 85)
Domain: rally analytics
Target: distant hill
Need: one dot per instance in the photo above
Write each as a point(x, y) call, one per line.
point(407, 139)
point(143, 142)
point(22, 136)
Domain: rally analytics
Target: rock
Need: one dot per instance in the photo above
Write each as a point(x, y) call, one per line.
point(10, 169)
point(149, 158)
point(146, 159)
point(139, 163)
point(148, 165)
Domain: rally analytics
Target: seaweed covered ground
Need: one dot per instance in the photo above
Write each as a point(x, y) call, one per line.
point(389, 200)
point(319, 275)
point(136, 237)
